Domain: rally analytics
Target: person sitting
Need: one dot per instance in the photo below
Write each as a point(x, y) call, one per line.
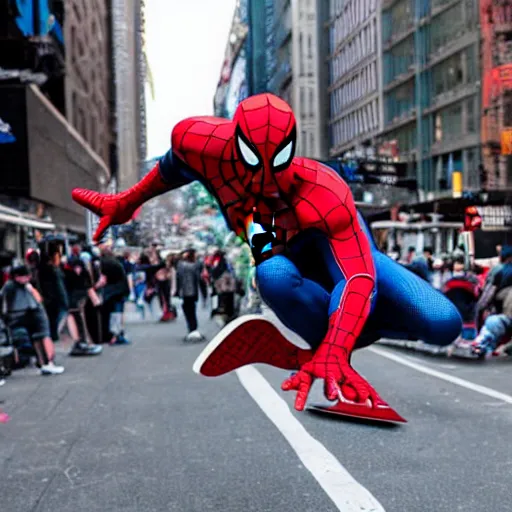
point(499, 297)
point(23, 310)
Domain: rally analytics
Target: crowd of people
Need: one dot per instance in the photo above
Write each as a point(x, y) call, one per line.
point(82, 293)
point(437, 270)
point(487, 303)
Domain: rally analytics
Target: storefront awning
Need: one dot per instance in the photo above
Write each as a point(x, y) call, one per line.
point(12, 216)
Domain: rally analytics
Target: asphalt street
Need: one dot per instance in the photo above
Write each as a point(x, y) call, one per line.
point(136, 430)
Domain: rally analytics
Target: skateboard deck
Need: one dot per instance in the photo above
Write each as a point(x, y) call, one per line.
point(346, 409)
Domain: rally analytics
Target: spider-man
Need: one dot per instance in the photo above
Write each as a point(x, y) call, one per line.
point(317, 266)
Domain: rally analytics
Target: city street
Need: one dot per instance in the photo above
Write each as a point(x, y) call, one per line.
point(136, 430)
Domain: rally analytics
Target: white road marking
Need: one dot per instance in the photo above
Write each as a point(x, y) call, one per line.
point(345, 492)
point(483, 390)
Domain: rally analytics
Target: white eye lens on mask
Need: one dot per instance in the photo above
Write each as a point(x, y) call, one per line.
point(284, 155)
point(247, 153)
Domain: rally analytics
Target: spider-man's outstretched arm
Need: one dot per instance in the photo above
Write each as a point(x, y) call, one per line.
point(194, 141)
point(119, 208)
point(323, 201)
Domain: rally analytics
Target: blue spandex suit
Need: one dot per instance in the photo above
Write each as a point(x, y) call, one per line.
point(299, 288)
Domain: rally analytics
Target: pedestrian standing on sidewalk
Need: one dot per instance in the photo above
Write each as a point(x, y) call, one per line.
point(80, 288)
point(115, 292)
point(188, 278)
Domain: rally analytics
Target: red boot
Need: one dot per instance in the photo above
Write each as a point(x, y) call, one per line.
point(247, 340)
point(168, 316)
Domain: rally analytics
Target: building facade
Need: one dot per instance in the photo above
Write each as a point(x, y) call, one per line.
point(279, 46)
point(128, 91)
point(496, 113)
point(54, 100)
point(67, 120)
point(235, 78)
point(88, 80)
point(280, 82)
point(296, 70)
point(309, 76)
point(355, 71)
point(431, 90)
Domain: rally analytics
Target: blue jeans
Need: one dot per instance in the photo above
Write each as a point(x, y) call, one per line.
point(494, 328)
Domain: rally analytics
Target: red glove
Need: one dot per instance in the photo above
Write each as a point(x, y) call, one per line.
point(119, 208)
point(330, 363)
point(112, 209)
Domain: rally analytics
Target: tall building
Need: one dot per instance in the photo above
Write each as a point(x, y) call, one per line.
point(355, 93)
point(54, 102)
point(66, 120)
point(431, 90)
point(496, 124)
point(88, 78)
point(280, 82)
point(279, 46)
point(296, 68)
point(234, 82)
point(310, 76)
point(128, 91)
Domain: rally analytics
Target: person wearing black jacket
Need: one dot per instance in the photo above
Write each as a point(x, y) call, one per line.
point(79, 287)
point(51, 281)
point(114, 292)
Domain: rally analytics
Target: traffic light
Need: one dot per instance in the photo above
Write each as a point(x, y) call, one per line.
point(472, 219)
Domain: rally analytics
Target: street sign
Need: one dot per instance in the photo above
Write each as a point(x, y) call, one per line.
point(496, 217)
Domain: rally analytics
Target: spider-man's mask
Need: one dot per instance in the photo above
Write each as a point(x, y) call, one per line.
point(265, 138)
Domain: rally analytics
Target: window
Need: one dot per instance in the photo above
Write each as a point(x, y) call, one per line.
point(449, 74)
point(507, 107)
point(438, 128)
point(400, 102)
point(448, 123)
point(398, 60)
point(401, 16)
point(447, 26)
point(471, 172)
point(470, 116)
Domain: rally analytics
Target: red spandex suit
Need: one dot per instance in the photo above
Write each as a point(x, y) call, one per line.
point(317, 266)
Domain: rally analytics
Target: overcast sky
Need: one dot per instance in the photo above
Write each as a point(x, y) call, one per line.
point(185, 41)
